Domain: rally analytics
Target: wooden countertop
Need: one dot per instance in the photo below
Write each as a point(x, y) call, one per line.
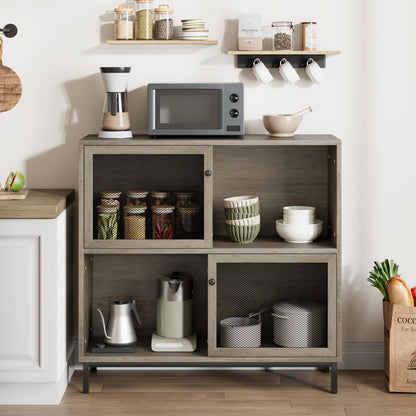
point(40, 203)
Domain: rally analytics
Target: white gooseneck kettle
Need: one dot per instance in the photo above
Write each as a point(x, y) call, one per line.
point(120, 326)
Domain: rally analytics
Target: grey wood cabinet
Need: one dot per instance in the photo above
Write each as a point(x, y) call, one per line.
point(304, 170)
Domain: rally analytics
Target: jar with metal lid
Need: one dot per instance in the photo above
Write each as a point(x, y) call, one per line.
point(144, 19)
point(107, 222)
point(124, 22)
point(112, 199)
point(137, 198)
point(135, 222)
point(162, 222)
point(160, 198)
point(187, 222)
point(185, 199)
point(283, 36)
point(309, 36)
point(163, 22)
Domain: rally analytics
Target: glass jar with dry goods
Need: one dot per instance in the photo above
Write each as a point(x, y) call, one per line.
point(111, 199)
point(162, 222)
point(144, 19)
point(309, 36)
point(185, 199)
point(283, 36)
point(135, 222)
point(187, 220)
point(107, 222)
point(163, 22)
point(160, 198)
point(124, 22)
point(137, 198)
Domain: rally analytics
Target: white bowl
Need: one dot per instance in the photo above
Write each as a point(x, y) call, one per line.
point(245, 221)
point(298, 210)
point(240, 201)
point(302, 233)
point(299, 221)
point(281, 125)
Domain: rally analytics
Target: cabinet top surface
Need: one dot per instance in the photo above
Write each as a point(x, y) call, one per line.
point(246, 140)
point(40, 203)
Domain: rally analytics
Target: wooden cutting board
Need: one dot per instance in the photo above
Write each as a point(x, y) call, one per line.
point(10, 85)
point(14, 195)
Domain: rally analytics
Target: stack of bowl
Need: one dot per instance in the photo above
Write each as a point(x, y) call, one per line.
point(242, 218)
point(299, 224)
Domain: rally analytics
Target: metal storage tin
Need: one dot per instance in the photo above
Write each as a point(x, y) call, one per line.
point(240, 332)
point(299, 324)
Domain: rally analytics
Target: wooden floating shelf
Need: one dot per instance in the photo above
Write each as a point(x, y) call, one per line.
point(162, 42)
point(272, 59)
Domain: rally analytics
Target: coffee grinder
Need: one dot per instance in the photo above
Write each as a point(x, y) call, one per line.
point(174, 315)
point(116, 121)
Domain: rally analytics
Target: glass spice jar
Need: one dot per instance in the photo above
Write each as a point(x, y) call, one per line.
point(187, 220)
point(144, 19)
point(112, 199)
point(309, 36)
point(185, 199)
point(107, 222)
point(160, 198)
point(124, 22)
point(137, 198)
point(162, 222)
point(163, 22)
point(135, 223)
point(283, 36)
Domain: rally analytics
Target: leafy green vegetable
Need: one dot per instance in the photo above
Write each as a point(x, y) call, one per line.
point(381, 274)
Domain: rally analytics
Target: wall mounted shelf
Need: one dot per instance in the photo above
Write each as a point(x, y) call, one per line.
point(271, 59)
point(162, 42)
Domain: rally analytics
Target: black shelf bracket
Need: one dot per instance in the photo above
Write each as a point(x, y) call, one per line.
point(10, 30)
point(273, 61)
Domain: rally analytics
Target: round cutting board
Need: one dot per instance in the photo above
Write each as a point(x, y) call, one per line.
point(10, 85)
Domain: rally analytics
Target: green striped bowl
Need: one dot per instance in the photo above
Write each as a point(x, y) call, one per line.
point(242, 233)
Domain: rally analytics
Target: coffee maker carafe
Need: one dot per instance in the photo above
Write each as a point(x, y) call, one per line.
point(116, 122)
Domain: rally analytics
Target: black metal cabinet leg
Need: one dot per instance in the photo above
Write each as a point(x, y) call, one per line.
point(334, 378)
point(93, 370)
point(85, 378)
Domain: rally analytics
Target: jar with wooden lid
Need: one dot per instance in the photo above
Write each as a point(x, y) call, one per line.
point(137, 198)
point(112, 199)
point(135, 222)
point(107, 222)
point(124, 22)
point(187, 222)
point(160, 198)
point(144, 19)
point(283, 36)
point(185, 199)
point(309, 36)
point(162, 222)
point(163, 22)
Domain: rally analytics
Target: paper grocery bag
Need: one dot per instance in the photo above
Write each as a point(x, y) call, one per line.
point(399, 347)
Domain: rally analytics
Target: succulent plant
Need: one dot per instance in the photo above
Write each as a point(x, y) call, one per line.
point(381, 274)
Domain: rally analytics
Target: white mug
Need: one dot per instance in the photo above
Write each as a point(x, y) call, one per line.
point(314, 71)
point(287, 71)
point(261, 72)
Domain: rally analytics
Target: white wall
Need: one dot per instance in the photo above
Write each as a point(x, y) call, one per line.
point(367, 100)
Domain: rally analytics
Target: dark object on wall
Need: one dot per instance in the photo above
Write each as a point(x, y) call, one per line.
point(10, 30)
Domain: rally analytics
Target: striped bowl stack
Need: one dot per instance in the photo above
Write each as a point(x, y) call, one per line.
point(193, 29)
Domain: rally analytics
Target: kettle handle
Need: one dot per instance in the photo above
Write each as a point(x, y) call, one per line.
point(103, 321)
point(135, 313)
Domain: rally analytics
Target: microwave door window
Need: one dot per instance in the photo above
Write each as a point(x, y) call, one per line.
point(189, 109)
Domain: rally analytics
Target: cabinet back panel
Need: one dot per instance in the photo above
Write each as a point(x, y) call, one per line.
point(126, 277)
point(279, 175)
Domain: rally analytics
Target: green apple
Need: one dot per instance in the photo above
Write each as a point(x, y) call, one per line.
point(9, 181)
point(18, 182)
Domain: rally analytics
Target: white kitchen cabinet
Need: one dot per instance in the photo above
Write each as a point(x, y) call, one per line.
point(36, 297)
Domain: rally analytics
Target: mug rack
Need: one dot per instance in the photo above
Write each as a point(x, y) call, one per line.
point(10, 30)
point(271, 59)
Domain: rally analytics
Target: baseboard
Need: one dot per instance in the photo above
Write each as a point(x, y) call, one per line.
point(356, 355)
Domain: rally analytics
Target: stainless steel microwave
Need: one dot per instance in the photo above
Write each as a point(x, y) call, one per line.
point(195, 109)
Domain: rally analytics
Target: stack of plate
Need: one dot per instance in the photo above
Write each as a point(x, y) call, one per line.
point(193, 29)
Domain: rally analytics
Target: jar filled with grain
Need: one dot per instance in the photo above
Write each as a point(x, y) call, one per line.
point(137, 198)
point(283, 36)
point(144, 19)
point(162, 222)
point(107, 222)
point(163, 22)
point(134, 222)
point(124, 22)
point(309, 36)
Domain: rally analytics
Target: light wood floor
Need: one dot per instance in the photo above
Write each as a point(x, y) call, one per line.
point(225, 392)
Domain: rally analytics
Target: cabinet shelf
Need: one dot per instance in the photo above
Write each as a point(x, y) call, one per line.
point(162, 42)
point(271, 59)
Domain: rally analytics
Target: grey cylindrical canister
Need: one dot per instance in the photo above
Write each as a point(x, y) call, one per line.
point(174, 306)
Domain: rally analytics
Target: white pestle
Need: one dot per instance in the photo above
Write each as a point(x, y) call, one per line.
point(302, 112)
